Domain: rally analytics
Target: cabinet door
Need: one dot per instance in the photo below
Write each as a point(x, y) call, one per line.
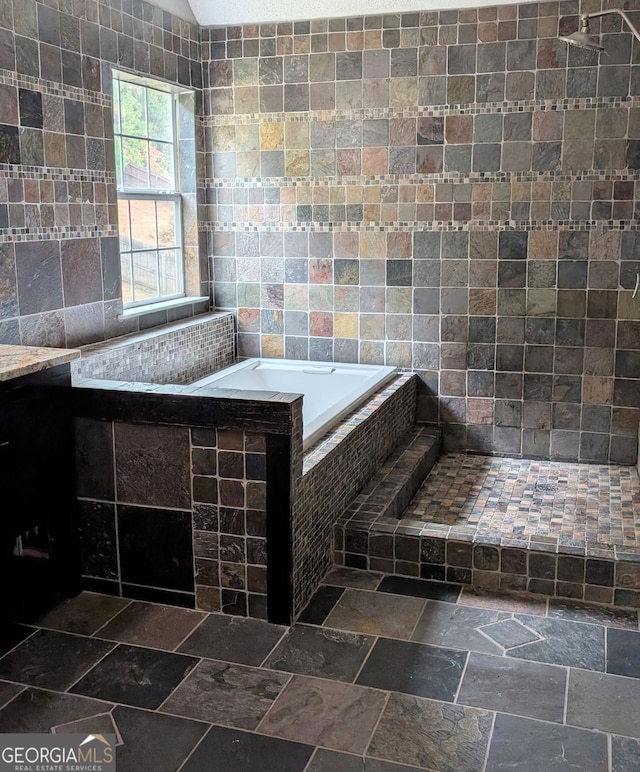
point(38, 477)
point(36, 426)
point(5, 461)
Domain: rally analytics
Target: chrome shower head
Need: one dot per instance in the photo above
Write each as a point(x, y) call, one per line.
point(583, 38)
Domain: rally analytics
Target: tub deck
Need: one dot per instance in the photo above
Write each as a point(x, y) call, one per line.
point(331, 390)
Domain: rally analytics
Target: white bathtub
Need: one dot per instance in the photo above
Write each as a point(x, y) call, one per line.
point(330, 390)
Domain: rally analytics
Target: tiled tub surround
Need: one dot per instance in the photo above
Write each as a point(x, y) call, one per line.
point(59, 261)
point(550, 528)
point(174, 487)
point(178, 353)
point(451, 192)
point(327, 478)
point(190, 495)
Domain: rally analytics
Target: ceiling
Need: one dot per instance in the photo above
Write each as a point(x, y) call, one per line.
point(214, 13)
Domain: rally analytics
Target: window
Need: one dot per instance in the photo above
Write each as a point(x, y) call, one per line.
point(146, 146)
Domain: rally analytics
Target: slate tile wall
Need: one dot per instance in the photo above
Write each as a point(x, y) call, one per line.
point(454, 193)
point(59, 261)
point(174, 514)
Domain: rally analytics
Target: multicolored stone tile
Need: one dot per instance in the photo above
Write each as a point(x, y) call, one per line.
point(328, 713)
point(524, 498)
point(431, 734)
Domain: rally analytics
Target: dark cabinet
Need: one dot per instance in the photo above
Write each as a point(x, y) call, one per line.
point(37, 487)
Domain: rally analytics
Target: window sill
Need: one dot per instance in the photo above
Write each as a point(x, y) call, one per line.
point(161, 306)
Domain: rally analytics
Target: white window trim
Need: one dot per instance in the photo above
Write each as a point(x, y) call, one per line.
point(161, 305)
point(180, 298)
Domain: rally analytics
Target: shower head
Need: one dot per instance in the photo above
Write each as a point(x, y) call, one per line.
point(583, 38)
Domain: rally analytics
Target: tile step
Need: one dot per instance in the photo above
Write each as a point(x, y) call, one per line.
point(390, 490)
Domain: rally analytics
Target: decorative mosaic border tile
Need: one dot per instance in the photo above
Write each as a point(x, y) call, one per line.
point(12, 78)
point(58, 232)
point(435, 225)
point(446, 178)
point(24, 172)
point(471, 108)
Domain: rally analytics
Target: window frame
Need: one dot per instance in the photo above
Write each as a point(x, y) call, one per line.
point(151, 194)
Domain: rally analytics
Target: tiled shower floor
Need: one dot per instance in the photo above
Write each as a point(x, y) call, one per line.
point(518, 497)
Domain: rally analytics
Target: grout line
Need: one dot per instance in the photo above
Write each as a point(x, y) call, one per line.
point(418, 618)
point(307, 766)
point(20, 642)
point(560, 724)
point(379, 635)
point(489, 638)
point(205, 616)
point(491, 730)
point(95, 632)
point(565, 707)
point(182, 680)
point(59, 693)
point(377, 724)
point(280, 693)
point(366, 659)
point(401, 768)
point(284, 635)
point(114, 646)
point(464, 672)
point(193, 750)
point(3, 705)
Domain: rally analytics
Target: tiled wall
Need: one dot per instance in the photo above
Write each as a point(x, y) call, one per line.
point(333, 474)
point(59, 261)
point(178, 353)
point(538, 566)
point(174, 514)
point(452, 192)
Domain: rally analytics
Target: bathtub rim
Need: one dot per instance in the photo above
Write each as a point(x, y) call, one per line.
point(324, 422)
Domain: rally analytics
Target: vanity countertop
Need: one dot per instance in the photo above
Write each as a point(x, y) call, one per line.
point(16, 361)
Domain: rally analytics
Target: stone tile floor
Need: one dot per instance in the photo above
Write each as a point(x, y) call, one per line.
point(381, 674)
point(521, 497)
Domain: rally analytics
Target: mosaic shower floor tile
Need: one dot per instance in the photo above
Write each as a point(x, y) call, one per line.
point(531, 498)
